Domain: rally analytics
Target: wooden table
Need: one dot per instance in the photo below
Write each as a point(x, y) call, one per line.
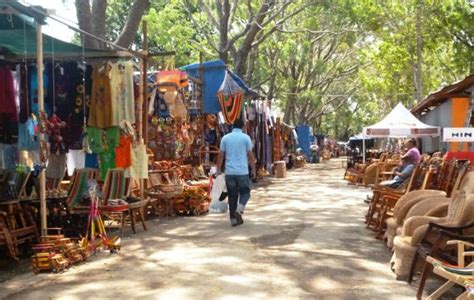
point(165, 202)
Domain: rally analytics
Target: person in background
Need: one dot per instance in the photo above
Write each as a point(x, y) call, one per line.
point(413, 154)
point(236, 148)
point(401, 174)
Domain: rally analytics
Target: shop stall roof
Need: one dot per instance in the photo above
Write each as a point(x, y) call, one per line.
point(212, 74)
point(18, 35)
point(435, 99)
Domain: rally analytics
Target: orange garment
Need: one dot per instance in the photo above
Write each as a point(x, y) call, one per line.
point(123, 158)
point(100, 110)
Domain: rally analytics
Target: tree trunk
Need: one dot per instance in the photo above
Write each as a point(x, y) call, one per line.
point(133, 22)
point(242, 54)
point(94, 21)
point(271, 85)
point(84, 17)
point(99, 16)
point(223, 11)
point(251, 67)
point(419, 54)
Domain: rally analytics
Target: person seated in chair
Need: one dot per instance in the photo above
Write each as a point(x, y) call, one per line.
point(402, 173)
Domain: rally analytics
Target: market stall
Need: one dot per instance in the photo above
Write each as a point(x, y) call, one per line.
point(399, 123)
point(63, 108)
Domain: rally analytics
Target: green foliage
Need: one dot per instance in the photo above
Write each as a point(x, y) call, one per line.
point(339, 65)
point(390, 53)
point(170, 29)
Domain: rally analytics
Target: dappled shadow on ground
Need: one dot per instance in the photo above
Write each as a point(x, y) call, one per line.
point(303, 237)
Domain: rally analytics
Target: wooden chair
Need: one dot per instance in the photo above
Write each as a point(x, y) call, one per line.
point(78, 186)
point(436, 246)
point(5, 237)
point(211, 151)
point(458, 274)
point(379, 192)
point(18, 226)
point(117, 186)
point(389, 201)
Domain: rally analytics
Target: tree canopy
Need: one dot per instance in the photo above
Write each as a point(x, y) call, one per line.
point(335, 64)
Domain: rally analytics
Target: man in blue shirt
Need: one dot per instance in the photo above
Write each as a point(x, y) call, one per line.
point(236, 148)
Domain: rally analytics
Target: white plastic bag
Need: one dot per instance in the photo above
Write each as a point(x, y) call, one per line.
point(218, 187)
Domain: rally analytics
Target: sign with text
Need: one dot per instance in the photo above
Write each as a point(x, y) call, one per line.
point(461, 134)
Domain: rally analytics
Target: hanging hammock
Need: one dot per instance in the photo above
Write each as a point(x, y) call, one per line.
point(230, 96)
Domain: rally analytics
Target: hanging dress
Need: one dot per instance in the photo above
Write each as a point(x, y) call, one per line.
point(100, 112)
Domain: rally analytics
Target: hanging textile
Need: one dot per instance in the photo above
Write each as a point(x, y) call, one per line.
point(33, 89)
point(25, 109)
point(75, 159)
point(139, 167)
point(123, 100)
point(100, 112)
point(7, 95)
point(169, 81)
point(78, 94)
point(230, 96)
point(28, 135)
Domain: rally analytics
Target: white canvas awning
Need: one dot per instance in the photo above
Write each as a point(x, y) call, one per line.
point(401, 123)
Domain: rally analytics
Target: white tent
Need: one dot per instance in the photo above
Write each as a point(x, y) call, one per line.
point(400, 123)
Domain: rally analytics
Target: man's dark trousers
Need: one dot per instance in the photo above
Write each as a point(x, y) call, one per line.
point(237, 185)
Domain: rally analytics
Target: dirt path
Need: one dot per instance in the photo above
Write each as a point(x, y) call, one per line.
point(303, 238)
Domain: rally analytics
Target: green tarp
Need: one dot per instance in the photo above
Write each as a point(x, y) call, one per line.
point(18, 35)
point(19, 42)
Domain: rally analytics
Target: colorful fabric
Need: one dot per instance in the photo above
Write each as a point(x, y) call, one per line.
point(112, 138)
point(457, 270)
point(139, 168)
point(96, 141)
point(79, 186)
point(92, 161)
point(123, 158)
point(107, 161)
point(114, 184)
point(100, 112)
point(230, 97)
point(77, 92)
point(7, 95)
point(231, 106)
point(33, 89)
point(27, 135)
point(123, 100)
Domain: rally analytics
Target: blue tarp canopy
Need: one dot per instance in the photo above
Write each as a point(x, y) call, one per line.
point(212, 74)
point(304, 139)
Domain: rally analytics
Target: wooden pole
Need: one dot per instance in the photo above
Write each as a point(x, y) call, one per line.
point(42, 174)
point(143, 101)
point(145, 82)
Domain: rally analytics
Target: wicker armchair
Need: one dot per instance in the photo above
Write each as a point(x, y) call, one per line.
point(460, 213)
point(418, 203)
point(405, 204)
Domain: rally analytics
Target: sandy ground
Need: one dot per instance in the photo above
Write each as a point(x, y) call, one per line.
point(303, 238)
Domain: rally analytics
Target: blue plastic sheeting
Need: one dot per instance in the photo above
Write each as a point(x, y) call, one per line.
point(212, 74)
point(304, 139)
